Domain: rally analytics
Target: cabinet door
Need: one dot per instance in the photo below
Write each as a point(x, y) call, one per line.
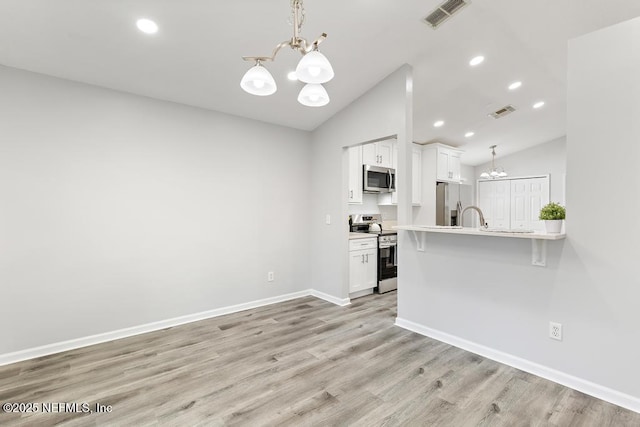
point(370, 154)
point(371, 269)
point(416, 178)
point(454, 166)
point(385, 153)
point(356, 271)
point(442, 166)
point(363, 270)
point(355, 175)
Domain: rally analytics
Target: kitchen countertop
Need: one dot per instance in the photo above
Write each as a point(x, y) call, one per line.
point(476, 232)
point(353, 236)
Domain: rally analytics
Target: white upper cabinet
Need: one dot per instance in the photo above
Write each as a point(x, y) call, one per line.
point(385, 151)
point(445, 160)
point(448, 165)
point(416, 177)
point(355, 175)
point(379, 153)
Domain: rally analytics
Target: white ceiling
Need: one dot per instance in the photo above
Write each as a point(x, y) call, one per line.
point(195, 58)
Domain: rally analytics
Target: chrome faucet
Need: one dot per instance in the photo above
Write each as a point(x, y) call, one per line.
point(477, 209)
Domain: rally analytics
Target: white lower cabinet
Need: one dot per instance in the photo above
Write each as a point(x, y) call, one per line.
point(363, 264)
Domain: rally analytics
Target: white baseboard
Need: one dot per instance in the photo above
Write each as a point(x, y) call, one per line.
point(601, 392)
point(330, 298)
point(45, 350)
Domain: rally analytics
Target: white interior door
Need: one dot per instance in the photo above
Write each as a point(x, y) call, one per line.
point(494, 199)
point(528, 195)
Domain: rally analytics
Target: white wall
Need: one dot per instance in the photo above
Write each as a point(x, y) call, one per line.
point(483, 291)
point(381, 112)
point(548, 158)
point(118, 210)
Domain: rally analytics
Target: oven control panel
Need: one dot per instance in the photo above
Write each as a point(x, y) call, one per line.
point(388, 240)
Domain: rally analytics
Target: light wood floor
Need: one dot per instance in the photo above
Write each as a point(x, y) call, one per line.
point(302, 362)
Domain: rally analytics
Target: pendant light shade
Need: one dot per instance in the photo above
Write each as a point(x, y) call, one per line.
point(314, 67)
point(258, 81)
point(313, 95)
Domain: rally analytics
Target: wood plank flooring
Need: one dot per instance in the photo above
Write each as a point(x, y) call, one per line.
point(301, 362)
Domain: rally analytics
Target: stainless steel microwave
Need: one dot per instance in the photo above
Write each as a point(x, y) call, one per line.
point(378, 180)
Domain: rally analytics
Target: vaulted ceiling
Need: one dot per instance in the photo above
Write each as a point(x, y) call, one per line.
point(195, 58)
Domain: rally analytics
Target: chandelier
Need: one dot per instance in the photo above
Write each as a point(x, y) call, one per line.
point(313, 69)
point(494, 172)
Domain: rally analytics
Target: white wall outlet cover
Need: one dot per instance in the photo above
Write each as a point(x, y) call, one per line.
point(270, 276)
point(555, 331)
point(327, 219)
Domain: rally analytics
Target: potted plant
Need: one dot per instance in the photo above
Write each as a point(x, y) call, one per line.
point(553, 214)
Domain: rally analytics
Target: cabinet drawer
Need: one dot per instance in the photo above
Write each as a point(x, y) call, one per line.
point(358, 244)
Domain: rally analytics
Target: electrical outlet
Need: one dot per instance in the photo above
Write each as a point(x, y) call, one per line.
point(555, 331)
point(270, 276)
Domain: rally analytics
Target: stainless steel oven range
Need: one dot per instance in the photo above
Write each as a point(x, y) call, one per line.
point(387, 248)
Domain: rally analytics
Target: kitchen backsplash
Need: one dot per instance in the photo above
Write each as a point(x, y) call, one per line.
point(370, 206)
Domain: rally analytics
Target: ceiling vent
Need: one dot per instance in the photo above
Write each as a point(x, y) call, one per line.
point(444, 12)
point(503, 112)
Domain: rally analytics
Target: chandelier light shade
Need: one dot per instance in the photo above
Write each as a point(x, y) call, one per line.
point(313, 95)
point(258, 81)
point(494, 172)
point(314, 68)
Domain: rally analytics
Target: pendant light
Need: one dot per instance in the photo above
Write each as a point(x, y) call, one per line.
point(313, 95)
point(314, 68)
point(494, 172)
point(258, 81)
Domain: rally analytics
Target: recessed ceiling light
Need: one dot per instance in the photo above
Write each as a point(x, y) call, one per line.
point(292, 76)
point(438, 124)
point(476, 61)
point(539, 104)
point(469, 134)
point(515, 85)
point(147, 26)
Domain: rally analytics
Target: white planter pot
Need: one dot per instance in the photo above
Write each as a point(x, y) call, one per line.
point(553, 226)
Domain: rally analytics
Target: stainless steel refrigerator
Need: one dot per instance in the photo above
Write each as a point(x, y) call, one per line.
point(450, 199)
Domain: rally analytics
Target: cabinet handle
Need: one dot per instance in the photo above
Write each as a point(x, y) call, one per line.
point(351, 194)
point(362, 259)
point(367, 258)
